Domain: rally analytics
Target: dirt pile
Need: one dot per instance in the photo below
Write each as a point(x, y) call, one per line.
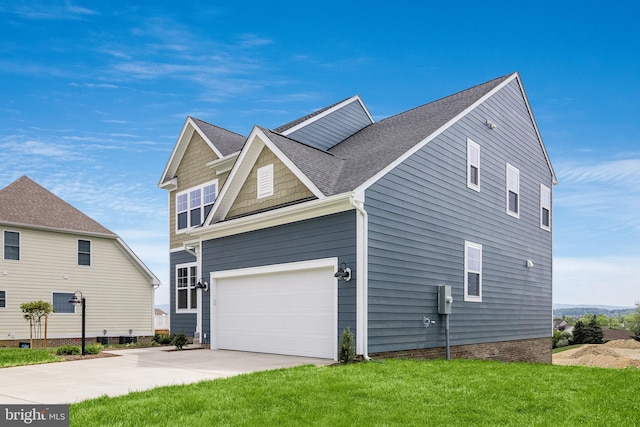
point(614, 354)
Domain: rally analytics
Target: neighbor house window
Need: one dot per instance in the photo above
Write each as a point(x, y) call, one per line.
point(513, 191)
point(84, 252)
point(473, 165)
point(3, 299)
point(194, 204)
point(472, 271)
point(186, 292)
point(11, 245)
point(545, 207)
point(265, 181)
point(61, 302)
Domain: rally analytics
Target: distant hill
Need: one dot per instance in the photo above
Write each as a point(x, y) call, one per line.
point(560, 310)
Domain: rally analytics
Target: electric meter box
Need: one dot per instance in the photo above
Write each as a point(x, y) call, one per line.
point(445, 300)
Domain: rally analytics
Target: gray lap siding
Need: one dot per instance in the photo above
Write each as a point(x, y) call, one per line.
point(324, 237)
point(420, 215)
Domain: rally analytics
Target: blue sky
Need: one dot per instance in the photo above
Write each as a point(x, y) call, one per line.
point(93, 96)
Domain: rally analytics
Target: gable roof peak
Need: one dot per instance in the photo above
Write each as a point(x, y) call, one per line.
point(25, 202)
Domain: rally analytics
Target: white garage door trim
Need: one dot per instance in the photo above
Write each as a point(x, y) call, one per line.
point(325, 263)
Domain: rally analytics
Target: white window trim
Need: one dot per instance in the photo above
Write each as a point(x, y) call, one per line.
point(471, 145)
point(75, 306)
point(467, 297)
point(515, 187)
point(188, 266)
point(6, 303)
point(189, 207)
point(90, 253)
point(265, 181)
point(19, 246)
point(545, 202)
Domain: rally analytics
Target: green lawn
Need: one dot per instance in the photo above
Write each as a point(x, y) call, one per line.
point(387, 393)
point(26, 356)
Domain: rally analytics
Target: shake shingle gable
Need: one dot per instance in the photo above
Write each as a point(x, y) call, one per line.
point(26, 203)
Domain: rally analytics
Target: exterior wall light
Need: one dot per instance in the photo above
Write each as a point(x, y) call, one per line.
point(202, 284)
point(343, 273)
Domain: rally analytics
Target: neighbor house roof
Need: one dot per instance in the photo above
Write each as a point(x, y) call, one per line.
point(24, 202)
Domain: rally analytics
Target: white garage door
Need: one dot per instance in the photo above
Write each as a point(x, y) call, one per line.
point(292, 311)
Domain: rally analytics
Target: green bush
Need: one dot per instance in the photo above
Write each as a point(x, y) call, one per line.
point(93, 349)
point(347, 353)
point(560, 339)
point(179, 340)
point(162, 339)
point(68, 350)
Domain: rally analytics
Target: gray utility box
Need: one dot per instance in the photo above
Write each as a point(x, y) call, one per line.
point(445, 300)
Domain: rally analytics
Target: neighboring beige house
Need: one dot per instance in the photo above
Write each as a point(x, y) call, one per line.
point(50, 250)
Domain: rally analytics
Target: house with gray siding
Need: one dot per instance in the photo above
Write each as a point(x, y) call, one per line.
point(281, 239)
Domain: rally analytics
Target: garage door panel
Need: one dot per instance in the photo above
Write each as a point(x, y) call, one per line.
point(290, 312)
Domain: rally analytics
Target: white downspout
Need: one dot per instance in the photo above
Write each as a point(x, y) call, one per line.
point(363, 273)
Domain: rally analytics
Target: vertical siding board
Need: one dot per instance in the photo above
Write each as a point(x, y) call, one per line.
point(324, 237)
point(329, 130)
point(421, 213)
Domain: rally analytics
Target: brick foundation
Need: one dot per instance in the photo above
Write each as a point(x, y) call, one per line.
point(59, 342)
point(536, 350)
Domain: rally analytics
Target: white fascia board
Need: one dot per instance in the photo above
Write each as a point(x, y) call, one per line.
point(179, 149)
point(291, 166)
point(535, 126)
point(234, 182)
point(326, 113)
point(138, 262)
point(307, 210)
point(169, 185)
point(223, 164)
point(241, 169)
point(368, 183)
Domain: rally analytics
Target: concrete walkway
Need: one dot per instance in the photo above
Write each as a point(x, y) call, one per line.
point(133, 370)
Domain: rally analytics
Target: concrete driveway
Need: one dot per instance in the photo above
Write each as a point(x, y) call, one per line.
point(133, 370)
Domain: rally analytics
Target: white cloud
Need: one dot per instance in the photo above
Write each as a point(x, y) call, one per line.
point(601, 281)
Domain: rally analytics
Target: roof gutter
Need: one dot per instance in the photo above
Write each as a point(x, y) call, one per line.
point(363, 272)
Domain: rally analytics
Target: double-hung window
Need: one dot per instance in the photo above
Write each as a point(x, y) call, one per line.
point(194, 204)
point(513, 191)
point(472, 272)
point(3, 299)
point(186, 292)
point(84, 252)
point(545, 207)
point(473, 165)
point(11, 241)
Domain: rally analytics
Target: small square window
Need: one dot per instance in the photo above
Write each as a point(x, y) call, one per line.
point(3, 299)
point(61, 303)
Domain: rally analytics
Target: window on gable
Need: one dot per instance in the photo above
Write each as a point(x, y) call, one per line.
point(194, 204)
point(473, 165)
point(61, 302)
point(265, 181)
point(3, 299)
point(186, 292)
point(84, 252)
point(472, 272)
point(545, 207)
point(513, 191)
point(11, 245)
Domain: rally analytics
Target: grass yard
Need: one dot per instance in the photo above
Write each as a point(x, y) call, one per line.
point(390, 392)
point(26, 356)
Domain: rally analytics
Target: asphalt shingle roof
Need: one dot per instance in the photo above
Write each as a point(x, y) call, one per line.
point(353, 161)
point(226, 141)
point(25, 202)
